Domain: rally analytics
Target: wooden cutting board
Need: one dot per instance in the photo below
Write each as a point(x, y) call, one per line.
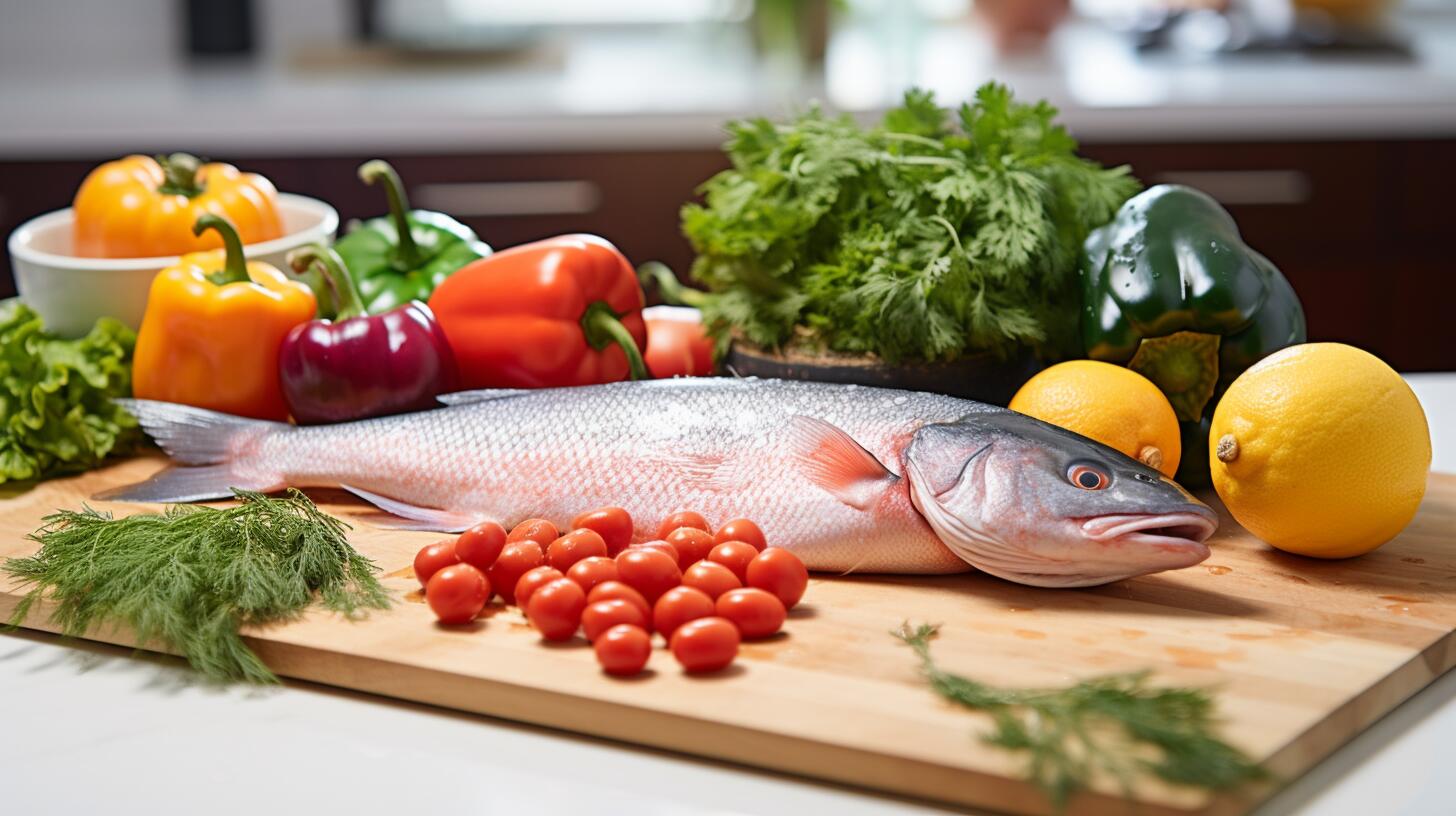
point(1304, 653)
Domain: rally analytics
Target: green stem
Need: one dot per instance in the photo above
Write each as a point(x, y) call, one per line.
point(377, 170)
point(602, 326)
point(180, 174)
point(937, 144)
point(322, 261)
point(235, 267)
point(668, 286)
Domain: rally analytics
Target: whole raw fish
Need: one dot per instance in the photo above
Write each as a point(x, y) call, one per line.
point(849, 478)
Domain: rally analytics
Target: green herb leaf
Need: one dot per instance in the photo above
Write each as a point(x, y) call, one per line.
point(190, 578)
point(1102, 725)
point(908, 240)
point(56, 409)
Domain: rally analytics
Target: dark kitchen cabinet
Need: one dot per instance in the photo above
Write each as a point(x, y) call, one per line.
point(1357, 226)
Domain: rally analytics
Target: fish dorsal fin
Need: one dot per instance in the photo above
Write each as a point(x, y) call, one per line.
point(480, 395)
point(835, 462)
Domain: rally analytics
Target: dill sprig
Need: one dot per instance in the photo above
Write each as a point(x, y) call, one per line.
point(1117, 725)
point(190, 578)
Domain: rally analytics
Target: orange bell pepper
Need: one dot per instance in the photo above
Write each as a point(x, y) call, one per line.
point(140, 207)
point(212, 329)
point(558, 312)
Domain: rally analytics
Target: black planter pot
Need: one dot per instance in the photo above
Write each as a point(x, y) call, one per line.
point(984, 377)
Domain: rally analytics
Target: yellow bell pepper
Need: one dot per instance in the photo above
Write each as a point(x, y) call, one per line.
point(140, 207)
point(212, 329)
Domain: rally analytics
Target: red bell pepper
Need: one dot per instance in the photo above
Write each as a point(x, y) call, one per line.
point(559, 312)
point(359, 365)
point(678, 344)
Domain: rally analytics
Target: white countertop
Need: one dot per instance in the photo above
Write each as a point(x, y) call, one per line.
point(92, 728)
point(646, 89)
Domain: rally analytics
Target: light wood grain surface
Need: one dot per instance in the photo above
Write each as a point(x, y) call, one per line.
point(1304, 654)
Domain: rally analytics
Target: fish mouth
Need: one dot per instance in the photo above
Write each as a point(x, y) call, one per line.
point(1180, 535)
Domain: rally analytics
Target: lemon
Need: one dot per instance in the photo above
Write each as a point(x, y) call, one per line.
point(1116, 406)
point(1320, 449)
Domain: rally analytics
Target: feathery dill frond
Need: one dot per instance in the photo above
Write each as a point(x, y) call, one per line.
point(189, 578)
point(1120, 725)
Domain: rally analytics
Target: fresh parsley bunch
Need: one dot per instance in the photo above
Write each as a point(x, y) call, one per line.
point(915, 239)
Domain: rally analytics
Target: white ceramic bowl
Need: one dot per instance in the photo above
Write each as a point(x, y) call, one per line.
point(71, 292)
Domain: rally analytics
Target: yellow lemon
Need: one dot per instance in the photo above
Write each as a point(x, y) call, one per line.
point(1321, 450)
point(1116, 406)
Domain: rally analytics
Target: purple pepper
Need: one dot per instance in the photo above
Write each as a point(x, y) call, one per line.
point(360, 365)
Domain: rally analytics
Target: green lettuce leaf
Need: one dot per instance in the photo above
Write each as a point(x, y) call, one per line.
point(56, 409)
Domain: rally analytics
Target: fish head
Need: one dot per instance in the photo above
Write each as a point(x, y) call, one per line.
point(1040, 505)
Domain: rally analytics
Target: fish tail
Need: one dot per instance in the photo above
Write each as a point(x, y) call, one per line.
point(212, 446)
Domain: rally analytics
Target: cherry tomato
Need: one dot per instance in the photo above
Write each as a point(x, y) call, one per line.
point(534, 579)
point(756, 613)
point(516, 559)
point(705, 644)
point(556, 608)
point(538, 530)
point(603, 615)
point(613, 524)
point(618, 591)
point(678, 606)
point(734, 555)
point(623, 649)
point(780, 572)
point(661, 546)
point(713, 579)
point(650, 572)
point(693, 545)
point(588, 572)
point(434, 557)
point(682, 518)
point(741, 530)
point(457, 593)
point(574, 546)
point(481, 545)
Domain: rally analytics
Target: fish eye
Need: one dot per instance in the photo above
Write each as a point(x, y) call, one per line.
point(1088, 477)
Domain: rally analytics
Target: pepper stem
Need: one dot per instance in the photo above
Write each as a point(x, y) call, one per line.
point(179, 172)
point(668, 286)
point(378, 170)
point(337, 283)
point(1184, 366)
point(602, 326)
point(235, 265)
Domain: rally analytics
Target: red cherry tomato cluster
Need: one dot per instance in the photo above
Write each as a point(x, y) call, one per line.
point(704, 592)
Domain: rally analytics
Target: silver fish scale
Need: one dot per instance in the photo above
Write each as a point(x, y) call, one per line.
point(723, 447)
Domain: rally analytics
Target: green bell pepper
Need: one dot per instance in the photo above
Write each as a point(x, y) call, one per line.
point(1171, 290)
point(403, 256)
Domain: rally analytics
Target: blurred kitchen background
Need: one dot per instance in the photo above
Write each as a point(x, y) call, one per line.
point(1328, 127)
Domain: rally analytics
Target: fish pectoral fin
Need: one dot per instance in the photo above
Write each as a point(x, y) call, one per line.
point(831, 459)
point(480, 395)
point(414, 517)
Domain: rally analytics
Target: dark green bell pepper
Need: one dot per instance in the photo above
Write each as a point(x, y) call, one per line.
point(1171, 290)
point(404, 255)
